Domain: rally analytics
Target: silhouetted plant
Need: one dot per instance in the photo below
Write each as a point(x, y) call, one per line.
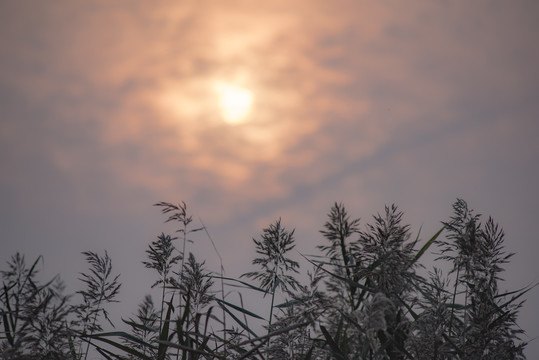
point(432, 338)
point(19, 288)
point(487, 327)
point(192, 323)
point(364, 300)
point(144, 328)
point(305, 306)
point(369, 274)
point(341, 254)
point(161, 260)
point(274, 245)
point(198, 282)
point(49, 312)
point(34, 316)
point(101, 288)
point(178, 213)
point(387, 254)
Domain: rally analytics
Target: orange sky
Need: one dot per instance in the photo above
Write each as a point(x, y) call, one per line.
point(109, 107)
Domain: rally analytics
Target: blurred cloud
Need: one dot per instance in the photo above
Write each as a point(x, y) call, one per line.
point(109, 107)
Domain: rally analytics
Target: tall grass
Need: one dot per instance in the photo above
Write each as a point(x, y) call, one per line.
point(363, 298)
point(101, 288)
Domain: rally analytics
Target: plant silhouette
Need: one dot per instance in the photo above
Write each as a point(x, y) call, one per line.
point(364, 298)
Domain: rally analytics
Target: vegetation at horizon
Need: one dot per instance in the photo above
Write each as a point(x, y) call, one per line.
point(364, 298)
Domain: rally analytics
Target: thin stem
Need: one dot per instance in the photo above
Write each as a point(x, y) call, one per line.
point(183, 261)
point(348, 275)
point(271, 309)
point(271, 312)
point(222, 283)
point(93, 324)
point(454, 296)
point(181, 275)
point(162, 302)
point(224, 312)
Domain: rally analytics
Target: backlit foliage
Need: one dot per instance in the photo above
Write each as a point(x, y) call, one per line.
point(364, 298)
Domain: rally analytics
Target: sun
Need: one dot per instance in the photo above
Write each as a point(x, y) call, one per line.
point(235, 102)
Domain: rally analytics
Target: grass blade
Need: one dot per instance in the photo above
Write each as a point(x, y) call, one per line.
point(127, 349)
point(237, 320)
point(162, 350)
point(241, 282)
point(247, 312)
point(427, 245)
point(332, 344)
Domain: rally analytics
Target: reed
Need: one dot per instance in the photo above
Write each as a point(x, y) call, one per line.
point(364, 298)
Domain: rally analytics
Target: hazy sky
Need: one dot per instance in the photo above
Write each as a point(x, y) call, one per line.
point(107, 107)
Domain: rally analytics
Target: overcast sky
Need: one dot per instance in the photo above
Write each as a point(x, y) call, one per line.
point(107, 107)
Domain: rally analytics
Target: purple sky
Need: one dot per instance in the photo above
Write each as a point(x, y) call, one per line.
point(108, 107)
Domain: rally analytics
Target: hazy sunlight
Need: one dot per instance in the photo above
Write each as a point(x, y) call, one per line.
point(235, 102)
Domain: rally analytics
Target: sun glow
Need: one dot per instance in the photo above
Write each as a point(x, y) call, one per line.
point(235, 102)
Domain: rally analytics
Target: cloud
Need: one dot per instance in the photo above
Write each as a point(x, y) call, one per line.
point(110, 107)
